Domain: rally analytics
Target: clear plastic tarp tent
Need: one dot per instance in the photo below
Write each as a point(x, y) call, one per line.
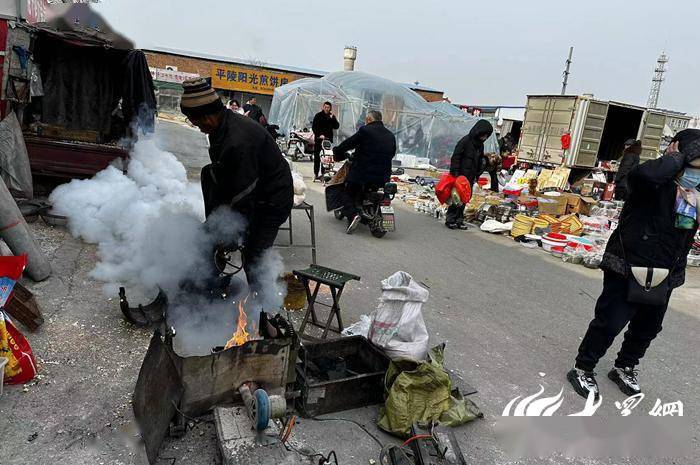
point(422, 129)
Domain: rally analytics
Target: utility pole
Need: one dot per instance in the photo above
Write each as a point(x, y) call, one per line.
point(656, 81)
point(566, 71)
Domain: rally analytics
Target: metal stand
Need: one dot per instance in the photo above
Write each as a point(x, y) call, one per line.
point(336, 281)
point(309, 210)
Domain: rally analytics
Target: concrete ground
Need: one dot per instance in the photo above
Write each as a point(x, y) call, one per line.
point(512, 319)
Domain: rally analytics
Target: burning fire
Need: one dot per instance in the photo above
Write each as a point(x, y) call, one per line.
point(241, 336)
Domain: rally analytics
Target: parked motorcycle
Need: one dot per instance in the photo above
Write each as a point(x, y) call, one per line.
point(327, 161)
point(300, 143)
point(376, 210)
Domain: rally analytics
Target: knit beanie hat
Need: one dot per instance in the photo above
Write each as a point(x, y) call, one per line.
point(199, 99)
point(689, 145)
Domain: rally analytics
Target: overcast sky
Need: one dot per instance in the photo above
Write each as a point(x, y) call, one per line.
point(483, 53)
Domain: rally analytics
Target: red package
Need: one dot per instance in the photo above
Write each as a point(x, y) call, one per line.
point(21, 366)
point(463, 189)
point(443, 189)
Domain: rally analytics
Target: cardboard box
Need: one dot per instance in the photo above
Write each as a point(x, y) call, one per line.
point(586, 204)
point(552, 205)
point(578, 204)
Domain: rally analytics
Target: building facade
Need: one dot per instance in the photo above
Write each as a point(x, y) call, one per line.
point(233, 78)
point(237, 79)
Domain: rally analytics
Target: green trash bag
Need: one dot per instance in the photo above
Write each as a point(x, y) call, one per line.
point(421, 392)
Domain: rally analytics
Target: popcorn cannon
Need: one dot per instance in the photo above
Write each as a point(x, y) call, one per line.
point(171, 387)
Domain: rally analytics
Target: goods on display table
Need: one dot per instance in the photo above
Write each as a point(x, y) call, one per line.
point(537, 211)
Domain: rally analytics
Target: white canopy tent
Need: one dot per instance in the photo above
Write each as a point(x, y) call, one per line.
point(422, 129)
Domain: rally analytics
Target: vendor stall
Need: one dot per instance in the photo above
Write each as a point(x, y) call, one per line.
point(76, 90)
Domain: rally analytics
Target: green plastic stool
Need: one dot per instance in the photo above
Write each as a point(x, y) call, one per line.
point(336, 281)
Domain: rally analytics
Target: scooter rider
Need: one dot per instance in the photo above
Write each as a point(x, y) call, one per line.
point(374, 146)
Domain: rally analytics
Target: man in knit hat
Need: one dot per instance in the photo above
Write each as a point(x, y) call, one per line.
point(247, 172)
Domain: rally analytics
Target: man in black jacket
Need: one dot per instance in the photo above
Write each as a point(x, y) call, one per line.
point(653, 233)
point(252, 110)
point(374, 146)
point(323, 125)
point(467, 160)
point(630, 159)
point(248, 173)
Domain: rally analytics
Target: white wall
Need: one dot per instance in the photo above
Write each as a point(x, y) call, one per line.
point(8, 8)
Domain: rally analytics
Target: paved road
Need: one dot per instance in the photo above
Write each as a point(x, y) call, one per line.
point(512, 319)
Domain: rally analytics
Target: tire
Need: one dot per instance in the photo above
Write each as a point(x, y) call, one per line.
point(377, 229)
point(338, 214)
point(262, 409)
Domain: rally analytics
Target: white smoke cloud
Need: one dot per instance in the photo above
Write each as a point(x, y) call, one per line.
point(148, 226)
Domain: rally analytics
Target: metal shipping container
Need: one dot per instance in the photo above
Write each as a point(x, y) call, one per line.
point(598, 130)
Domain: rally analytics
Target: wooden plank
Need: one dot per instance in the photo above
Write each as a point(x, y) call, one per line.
point(23, 307)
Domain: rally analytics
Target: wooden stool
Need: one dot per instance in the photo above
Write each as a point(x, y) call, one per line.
point(336, 281)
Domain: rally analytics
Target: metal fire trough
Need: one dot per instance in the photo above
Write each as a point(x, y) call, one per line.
point(171, 387)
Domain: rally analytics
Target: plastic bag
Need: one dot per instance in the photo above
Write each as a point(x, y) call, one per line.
point(21, 367)
point(299, 184)
point(422, 392)
point(398, 326)
point(443, 189)
point(359, 328)
point(463, 189)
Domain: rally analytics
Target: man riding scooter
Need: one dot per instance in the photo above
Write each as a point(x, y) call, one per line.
point(374, 146)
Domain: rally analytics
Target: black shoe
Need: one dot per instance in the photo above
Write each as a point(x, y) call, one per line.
point(626, 380)
point(463, 226)
point(352, 225)
point(451, 225)
point(583, 382)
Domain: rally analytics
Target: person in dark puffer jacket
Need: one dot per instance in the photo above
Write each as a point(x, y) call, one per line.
point(656, 230)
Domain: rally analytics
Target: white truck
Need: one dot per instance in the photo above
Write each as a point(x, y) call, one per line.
point(598, 130)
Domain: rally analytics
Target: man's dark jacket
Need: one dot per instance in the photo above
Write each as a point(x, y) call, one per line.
point(630, 159)
point(467, 157)
point(374, 146)
point(646, 235)
point(254, 111)
point(323, 125)
point(248, 169)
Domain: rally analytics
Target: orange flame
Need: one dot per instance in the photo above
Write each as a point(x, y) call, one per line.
point(241, 336)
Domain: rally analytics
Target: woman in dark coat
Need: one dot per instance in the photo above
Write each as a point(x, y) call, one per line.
point(656, 230)
point(467, 161)
point(630, 159)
